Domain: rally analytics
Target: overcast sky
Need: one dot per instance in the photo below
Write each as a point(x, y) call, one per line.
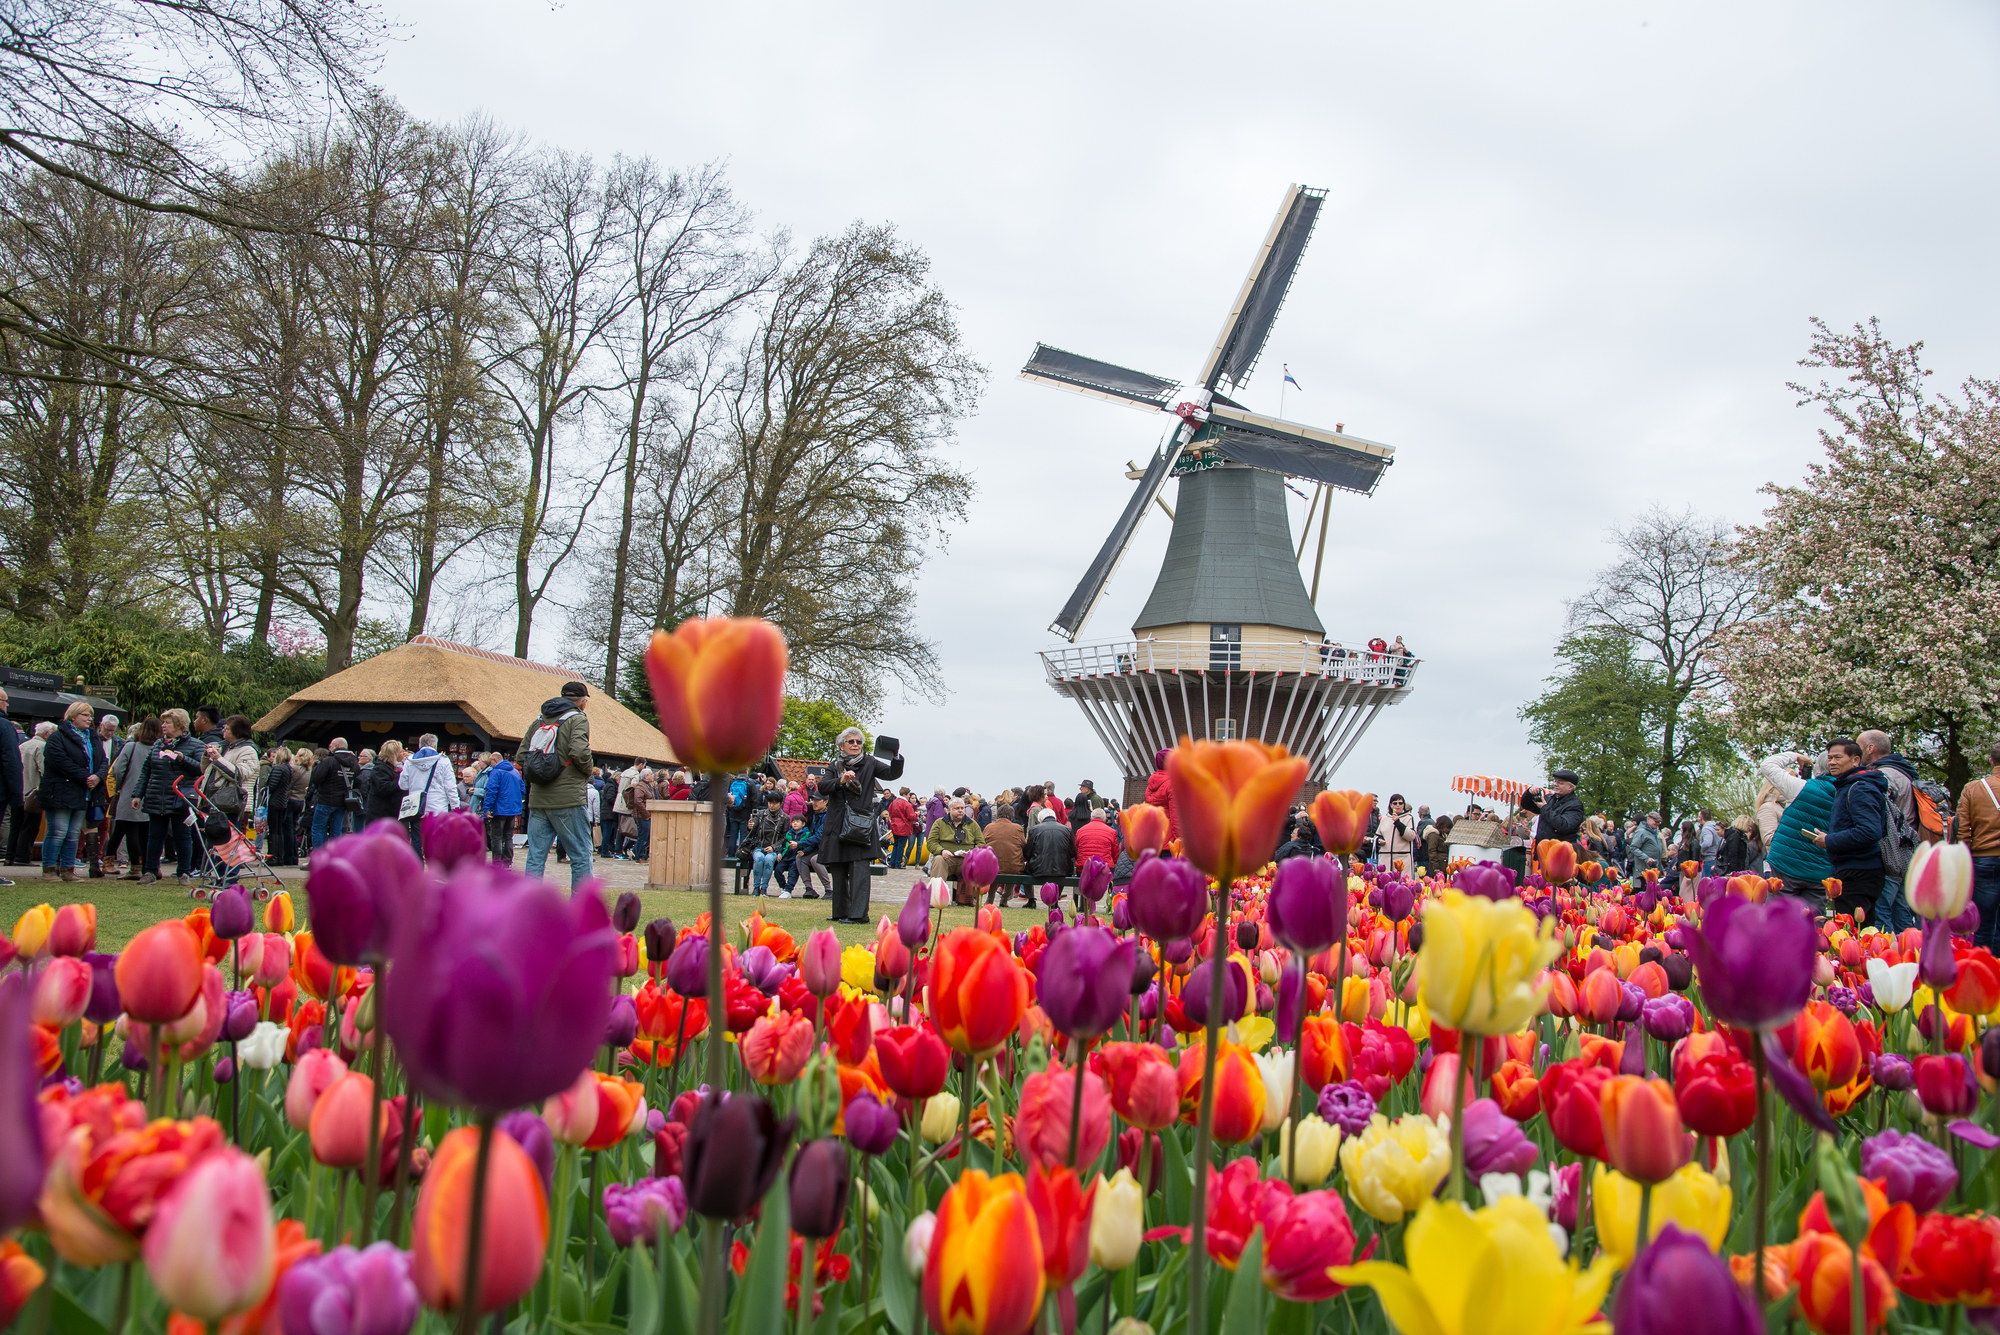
point(1565, 269)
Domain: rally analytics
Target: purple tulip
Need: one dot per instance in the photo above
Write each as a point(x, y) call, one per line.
point(1677, 1284)
point(1668, 1018)
point(229, 913)
point(1121, 913)
point(104, 1005)
point(1169, 898)
point(1085, 979)
point(532, 1134)
point(1020, 943)
point(455, 837)
point(1307, 906)
point(871, 1125)
point(1056, 921)
point(978, 868)
point(1398, 900)
point(1484, 879)
point(687, 967)
point(1051, 894)
point(1989, 1052)
point(623, 1026)
point(311, 1039)
point(1149, 1004)
point(1910, 1168)
point(1632, 1001)
point(1347, 1105)
point(1093, 878)
point(1291, 993)
point(761, 969)
point(349, 1292)
point(1844, 999)
point(1633, 1059)
point(1755, 960)
point(1194, 995)
point(1967, 922)
point(1494, 1143)
point(240, 1017)
point(358, 888)
point(1177, 953)
point(133, 1058)
point(645, 1211)
point(22, 1162)
point(502, 987)
point(913, 924)
point(821, 1179)
point(735, 1147)
point(1936, 965)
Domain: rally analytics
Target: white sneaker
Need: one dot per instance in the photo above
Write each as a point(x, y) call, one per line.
point(784, 894)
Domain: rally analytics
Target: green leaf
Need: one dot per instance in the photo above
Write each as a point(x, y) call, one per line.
point(833, 1296)
point(1289, 1318)
point(899, 1291)
point(67, 1316)
point(1174, 1179)
point(1245, 1313)
point(677, 1302)
point(642, 1302)
point(607, 1289)
point(760, 1298)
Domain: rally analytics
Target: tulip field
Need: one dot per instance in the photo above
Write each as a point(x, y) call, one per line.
point(1226, 1097)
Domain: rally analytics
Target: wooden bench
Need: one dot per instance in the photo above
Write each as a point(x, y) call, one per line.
point(740, 870)
point(1008, 882)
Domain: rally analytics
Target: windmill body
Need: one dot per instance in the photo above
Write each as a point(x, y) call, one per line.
point(1229, 644)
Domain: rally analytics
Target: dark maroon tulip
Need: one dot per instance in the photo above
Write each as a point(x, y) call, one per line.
point(1989, 1052)
point(502, 987)
point(1936, 964)
point(1093, 878)
point(1307, 907)
point(625, 913)
point(819, 1186)
point(1169, 898)
point(1677, 1284)
point(241, 1017)
point(1398, 900)
point(1680, 971)
point(659, 940)
point(1246, 935)
point(1416, 936)
point(687, 967)
point(1084, 980)
point(359, 885)
point(913, 924)
point(103, 1006)
point(1143, 970)
point(22, 1161)
point(229, 913)
point(735, 1147)
point(623, 1026)
point(453, 838)
point(871, 1125)
point(1754, 960)
point(532, 1134)
point(1194, 995)
point(225, 1071)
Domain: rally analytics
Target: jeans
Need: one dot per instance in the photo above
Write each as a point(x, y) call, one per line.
point(162, 829)
point(59, 843)
point(761, 863)
point(1986, 894)
point(899, 850)
point(328, 823)
point(1892, 912)
point(566, 824)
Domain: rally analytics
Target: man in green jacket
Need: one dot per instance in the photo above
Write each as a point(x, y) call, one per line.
point(951, 837)
point(556, 802)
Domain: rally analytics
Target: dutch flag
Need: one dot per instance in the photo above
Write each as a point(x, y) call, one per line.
point(1293, 383)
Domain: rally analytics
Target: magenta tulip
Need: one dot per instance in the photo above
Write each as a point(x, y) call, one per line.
point(1169, 898)
point(1083, 980)
point(358, 887)
point(451, 838)
point(1307, 906)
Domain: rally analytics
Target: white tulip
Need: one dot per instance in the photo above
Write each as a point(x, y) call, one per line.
point(263, 1047)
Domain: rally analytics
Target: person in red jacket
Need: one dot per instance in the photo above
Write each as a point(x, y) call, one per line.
point(1096, 839)
point(902, 827)
point(1161, 794)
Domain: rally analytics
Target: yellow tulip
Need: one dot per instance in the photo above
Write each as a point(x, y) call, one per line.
point(1393, 1167)
point(1491, 1270)
point(1691, 1198)
point(1117, 1221)
point(31, 930)
point(1482, 961)
point(1319, 1146)
point(1255, 1033)
point(857, 968)
point(940, 1118)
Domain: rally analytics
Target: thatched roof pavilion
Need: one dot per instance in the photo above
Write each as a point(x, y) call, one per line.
point(476, 697)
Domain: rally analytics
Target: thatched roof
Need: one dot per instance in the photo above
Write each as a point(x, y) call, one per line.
point(502, 695)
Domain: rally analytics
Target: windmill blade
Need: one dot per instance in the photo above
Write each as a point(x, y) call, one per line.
point(1350, 463)
point(1069, 622)
point(1244, 333)
point(1087, 375)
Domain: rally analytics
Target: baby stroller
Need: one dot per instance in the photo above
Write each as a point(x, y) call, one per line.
point(228, 855)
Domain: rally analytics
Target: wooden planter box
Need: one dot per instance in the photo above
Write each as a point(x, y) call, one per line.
point(681, 840)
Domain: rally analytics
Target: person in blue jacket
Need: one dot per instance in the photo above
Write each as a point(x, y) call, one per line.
point(504, 790)
point(1854, 829)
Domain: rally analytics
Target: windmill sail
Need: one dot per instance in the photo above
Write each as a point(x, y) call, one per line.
point(1250, 319)
point(1350, 463)
point(1087, 375)
point(1069, 623)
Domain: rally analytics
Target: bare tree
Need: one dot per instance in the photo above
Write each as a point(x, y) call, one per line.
point(1673, 591)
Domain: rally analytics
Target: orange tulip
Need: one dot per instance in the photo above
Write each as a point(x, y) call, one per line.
point(619, 1104)
point(1752, 888)
point(159, 973)
point(1342, 819)
point(985, 1273)
point(515, 1231)
point(776, 1048)
point(1239, 1092)
point(20, 1275)
point(74, 930)
point(1601, 996)
point(316, 975)
point(1323, 1060)
point(1823, 1268)
point(1642, 1128)
point(1144, 1084)
point(719, 686)
point(106, 1183)
point(1517, 1090)
point(978, 993)
point(1231, 798)
point(1558, 859)
point(1144, 827)
point(278, 915)
point(1826, 1047)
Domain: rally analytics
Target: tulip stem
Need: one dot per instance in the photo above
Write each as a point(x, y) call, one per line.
point(1076, 1101)
point(1458, 1121)
point(1858, 1313)
point(1218, 960)
point(339, 1208)
point(412, 1128)
point(1763, 1148)
point(468, 1298)
point(965, 1114)
point(1298, 1087)
point(123, 1311)
point(1645, 1217)
point(590, 1239)
point(371, 1168)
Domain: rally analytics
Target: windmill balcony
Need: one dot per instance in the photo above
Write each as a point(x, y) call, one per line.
point(1119, 658)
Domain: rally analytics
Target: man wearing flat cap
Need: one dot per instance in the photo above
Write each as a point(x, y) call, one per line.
point(1558, 810)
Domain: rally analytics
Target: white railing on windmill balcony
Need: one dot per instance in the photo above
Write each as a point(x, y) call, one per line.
point(1120, 658)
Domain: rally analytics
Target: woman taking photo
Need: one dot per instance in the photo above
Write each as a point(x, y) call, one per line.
point(848, 841)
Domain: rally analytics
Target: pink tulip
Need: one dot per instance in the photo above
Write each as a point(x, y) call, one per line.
point(275, 963)
point(313, 1076)
point(248, 953)
point(61, 992)
point(210, 1250)
point(572, 1114)
point(820, 963)
point(339, 1123)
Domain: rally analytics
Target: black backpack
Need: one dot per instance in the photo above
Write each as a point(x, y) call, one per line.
point(541, 764)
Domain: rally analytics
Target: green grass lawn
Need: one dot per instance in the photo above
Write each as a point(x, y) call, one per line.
point(123, 907)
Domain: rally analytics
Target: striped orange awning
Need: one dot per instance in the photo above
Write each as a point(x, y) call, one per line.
point(1489, 787)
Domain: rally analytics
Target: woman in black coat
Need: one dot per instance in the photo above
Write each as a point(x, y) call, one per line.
point(849, 783)
point(381, 793)
point(72, 778)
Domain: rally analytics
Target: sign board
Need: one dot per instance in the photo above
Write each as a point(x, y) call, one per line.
point(34, 681)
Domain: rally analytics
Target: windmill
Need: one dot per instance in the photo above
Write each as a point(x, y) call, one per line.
point(1229, 644)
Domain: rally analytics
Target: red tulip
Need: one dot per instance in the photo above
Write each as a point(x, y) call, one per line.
point(1572, 1096)
point(1145, 1085)
point(338, 1127)
point(1642, 1128)
point(1977, 991)
point(1041, 1127)
point(1714, 1087)
point(776, 1048)
point(1954, 1260)
point(1062, 1207)
point(619, 1104)
point(719, 686)
point(1825, 1046)
point(74, 930)
point(159, 973)
point(915, 1062)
